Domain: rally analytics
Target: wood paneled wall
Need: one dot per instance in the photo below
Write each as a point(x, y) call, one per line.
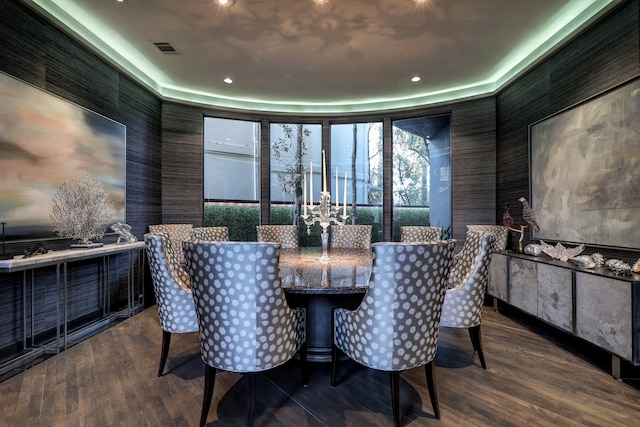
point(38, 53)
point(603, 56)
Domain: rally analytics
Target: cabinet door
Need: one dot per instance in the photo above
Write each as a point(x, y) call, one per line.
point(604, 313)
point(523, 285)
point(497, 286)
point(555, 296)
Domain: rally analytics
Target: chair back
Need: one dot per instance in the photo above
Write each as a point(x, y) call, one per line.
point(210, 234)
point(396, 326)
point(500, 235)
point(468, 281)
point(419, 233)
point(245, 322)
point(286, 235)
point(351, 236)
point(173, 296)
point(178, 233)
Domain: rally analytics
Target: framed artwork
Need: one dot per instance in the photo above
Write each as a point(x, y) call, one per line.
point(585, 171)
point(45, 141)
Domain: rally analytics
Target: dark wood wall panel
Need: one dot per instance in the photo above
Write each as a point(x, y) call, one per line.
point(605, 55)
point(473, 164)
point(36, 52)
point(141, 113)
point(182, 164)
point(24, 43)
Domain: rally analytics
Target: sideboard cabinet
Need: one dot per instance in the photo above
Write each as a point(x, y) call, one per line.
point(594, 305)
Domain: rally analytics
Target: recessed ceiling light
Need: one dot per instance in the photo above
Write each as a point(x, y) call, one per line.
point(225, 2)
point(415, 79)
point(228, 80)
point(321, 1)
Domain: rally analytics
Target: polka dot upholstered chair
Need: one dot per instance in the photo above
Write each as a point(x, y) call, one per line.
point(245, 323)
point(500, 235)
point(286, 235)
point(351, 236)
point(210, 234)
point(396, 326)
point(173, 297)
point(464, 300)
point(419, 233)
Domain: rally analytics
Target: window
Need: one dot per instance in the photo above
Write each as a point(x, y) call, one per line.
point(421, 172)
point(232, 176)
point(356, 155)
point(293, 148)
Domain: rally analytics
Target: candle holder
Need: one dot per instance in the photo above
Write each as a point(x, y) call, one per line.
point(325, 215)
point(521, 232)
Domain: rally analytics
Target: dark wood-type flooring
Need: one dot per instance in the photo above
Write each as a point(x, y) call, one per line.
point(535, 377)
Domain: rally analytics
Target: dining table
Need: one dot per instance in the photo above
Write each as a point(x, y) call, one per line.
point(322, 285)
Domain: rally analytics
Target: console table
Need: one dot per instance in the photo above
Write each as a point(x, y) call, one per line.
point(593, 304)
point(61, 260)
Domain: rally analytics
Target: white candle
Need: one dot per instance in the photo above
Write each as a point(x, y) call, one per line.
point(304, 192)
point(337, 194)
point(324, 172)
point(311, 185)
point(344, 206)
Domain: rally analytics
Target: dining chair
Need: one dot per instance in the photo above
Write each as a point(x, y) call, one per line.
point(395, 328)
point(464, 300)
point(286, 235)
point(172, 291)
point(211, 234)
point(178, 233)
point(500, 235)
point(244, 321)
point(351, 236)
point(419, 233)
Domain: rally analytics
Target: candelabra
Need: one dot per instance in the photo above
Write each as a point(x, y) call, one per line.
point(325, 215)
point(521, 232)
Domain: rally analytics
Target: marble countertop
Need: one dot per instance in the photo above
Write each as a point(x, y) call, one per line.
point(302, 273)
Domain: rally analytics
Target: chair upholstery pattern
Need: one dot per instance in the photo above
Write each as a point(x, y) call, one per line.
point(351, 236)
point(396, 326)
point(175, 304)
point(286, 235)
point(464, 300)
point(178, 233)
point(419, 233)
point(245, 322)
point(210, 234)
point(500, 235)
point(174, 261)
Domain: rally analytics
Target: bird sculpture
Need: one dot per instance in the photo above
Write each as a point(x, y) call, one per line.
point(528, 214)
point(507, 218)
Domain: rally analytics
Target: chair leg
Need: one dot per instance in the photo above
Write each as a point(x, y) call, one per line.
point(251, 398)
point(430, 370)
point(166, 340)
point(209, 381)
point(395, 397)
point(304, 365)
point(335, 356)
point(476, 341)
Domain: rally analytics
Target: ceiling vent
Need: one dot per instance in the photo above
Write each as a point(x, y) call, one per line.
point(166, 47)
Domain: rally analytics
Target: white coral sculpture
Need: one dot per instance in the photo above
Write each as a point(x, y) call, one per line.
point(81, 210)
point(560, 252)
